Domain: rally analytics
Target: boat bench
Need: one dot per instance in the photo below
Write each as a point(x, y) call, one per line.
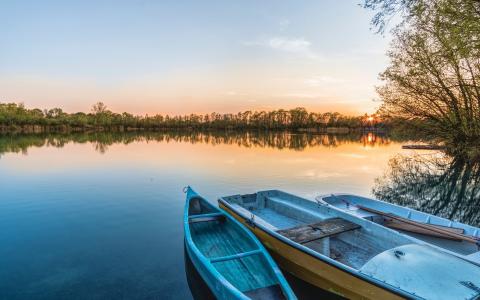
point(311, 232)
point(235, 256)
point(206, 218)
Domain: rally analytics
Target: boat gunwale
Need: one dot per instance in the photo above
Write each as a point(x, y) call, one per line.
point(328, 260)
point(284, 285)
point(411, 237)
point(320, 199)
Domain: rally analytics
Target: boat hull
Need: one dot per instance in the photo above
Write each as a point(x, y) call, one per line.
point(229, 258)
point(216, 287)
point(314, 270)
point(453, 244)
point(208, 278)
point(347, 203)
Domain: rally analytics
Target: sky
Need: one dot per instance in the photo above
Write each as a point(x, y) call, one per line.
point(185, 56)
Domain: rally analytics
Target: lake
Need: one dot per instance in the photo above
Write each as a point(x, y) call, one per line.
point(99, 215)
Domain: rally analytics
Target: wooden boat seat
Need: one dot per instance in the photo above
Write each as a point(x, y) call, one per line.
point(266, 293)
point(235, 256)
point(206, 218)
point(311, 232)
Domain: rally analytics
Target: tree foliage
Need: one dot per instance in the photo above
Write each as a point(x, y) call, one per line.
point(387, 9)
point(434, 71)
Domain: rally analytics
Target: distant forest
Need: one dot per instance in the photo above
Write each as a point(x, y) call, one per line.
point(16, 117)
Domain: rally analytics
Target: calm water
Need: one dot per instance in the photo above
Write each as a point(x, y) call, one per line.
point(100, 215)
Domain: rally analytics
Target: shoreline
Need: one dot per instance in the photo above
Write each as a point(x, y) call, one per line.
point(29, 129)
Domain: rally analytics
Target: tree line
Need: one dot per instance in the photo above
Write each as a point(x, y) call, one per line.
point(16, 115)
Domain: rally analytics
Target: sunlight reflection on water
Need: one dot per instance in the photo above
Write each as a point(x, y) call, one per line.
point(101, 216)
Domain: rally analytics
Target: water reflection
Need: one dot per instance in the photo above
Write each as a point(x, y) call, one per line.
point(198, 287)
point(436, 183)
point(279, 140)
point(89, 216)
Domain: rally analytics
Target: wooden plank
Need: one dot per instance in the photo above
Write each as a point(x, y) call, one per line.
point(395, 224)
point(428, 225)
point(459, 236)
point(215, 214)
point(307, 233)
point(235, 256)
point(205, 218)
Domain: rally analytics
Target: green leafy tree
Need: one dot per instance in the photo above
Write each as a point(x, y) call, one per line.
point(434, 71)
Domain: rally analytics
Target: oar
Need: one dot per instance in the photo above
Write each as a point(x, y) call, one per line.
point(459, 236)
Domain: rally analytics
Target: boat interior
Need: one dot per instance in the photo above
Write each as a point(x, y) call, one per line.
point(352, 204)
point(232, 252)
point(338, 235)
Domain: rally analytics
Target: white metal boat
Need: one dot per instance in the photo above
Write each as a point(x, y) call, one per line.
point(348, 255)
point(457, 238)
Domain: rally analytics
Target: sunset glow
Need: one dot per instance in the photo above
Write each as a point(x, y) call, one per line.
point(192, 57)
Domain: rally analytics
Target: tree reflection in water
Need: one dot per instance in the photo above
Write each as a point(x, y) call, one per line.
point(436, 183)
point(248, 139)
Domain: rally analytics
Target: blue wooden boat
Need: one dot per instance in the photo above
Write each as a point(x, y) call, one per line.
point(232, 262)
point(459, 239)
point(351, 256)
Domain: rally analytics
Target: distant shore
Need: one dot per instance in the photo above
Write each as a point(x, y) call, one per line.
point(17, 118)
point(120, 128)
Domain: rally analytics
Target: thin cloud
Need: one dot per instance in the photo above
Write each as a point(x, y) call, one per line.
point(297, 46)
point(299, 95)
point(322, 80)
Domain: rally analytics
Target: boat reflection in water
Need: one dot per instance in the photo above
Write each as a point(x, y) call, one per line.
point(434, 182)
point(198, 287)
point(305, 291)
